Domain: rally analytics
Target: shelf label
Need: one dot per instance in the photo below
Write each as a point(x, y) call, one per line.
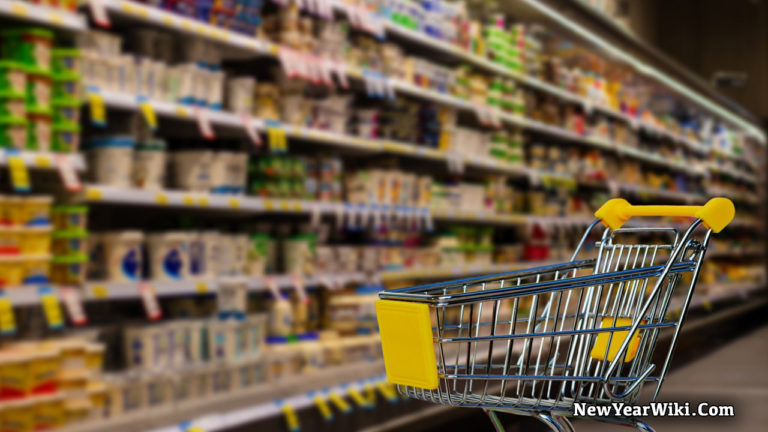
point(273, 288)
point(359, 399)
point(70, 296)
point(161, 198)
point(149, 300)
point(201, 288)
point(97, 107)
point(99, 292)
point(299, 286)
point(94, 194)
point(51, 308)
point(204, 123)
point(148, 112)
point(388, 391)
point(188, 200)
point(233, 203)
point(42, 161)
point(339, 402)
point(251, 129)
point(19, 172)
point(278, 143)
point(323, 408)
point(291, 419)
point(203, 201)
point(7, 318)
point(67, 173)
point(19, 9)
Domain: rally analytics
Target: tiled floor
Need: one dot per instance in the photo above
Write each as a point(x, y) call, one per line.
point(735, 374)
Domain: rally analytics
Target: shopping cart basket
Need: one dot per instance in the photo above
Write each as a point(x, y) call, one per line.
point(536, 342)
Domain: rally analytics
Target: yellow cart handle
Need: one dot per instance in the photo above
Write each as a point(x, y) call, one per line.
point(716, 214)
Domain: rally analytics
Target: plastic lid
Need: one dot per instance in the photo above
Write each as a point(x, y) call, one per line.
point(10, 64)
point(277, 339)
point(12, 95)
point(66, 102)
point(34, 70)
point(40, 111)
point(309, 336)
point(70, 234)
point(151, 145)
point(70, 209)
point(77, 258)
point(37, 31)
point(65, 52)
point(112, 141)
point(66, 76)
point(10, 120)
point(66, 127)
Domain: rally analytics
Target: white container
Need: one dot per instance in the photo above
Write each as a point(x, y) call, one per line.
point(240, 93)
point(211, 241)
point(168, 255)
point(236, 172)
point(197, 255)
point(192, 169)
point(221, 340)
point(149, 165)
point(281, 317)
point(122, 255)
point(111, 159)
point(232, 298)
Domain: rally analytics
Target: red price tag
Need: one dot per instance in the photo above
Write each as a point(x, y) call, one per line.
point(251, 130)
point(74, 305)
point(204, 124)
point(68, 173)
point(149, 300)
point(99, 13)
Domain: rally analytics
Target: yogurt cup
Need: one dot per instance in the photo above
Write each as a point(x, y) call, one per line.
point(13, 132)
point(36, 270)
point(35, 242)
point(67, 86)
point(68, 242)
point(11, 272)
point(38, 89)
point(112, 160)
point(39, 122)
point(149, 165)
point(168, 255)
point(70, 217)
point(69, 269)
point(192, 169)
point(66, 110)
point(13, 78)
point(66, 60)
point(36, 47)
point(122, 255)
point(36, 210)
point(12, 105)
point(66, 137)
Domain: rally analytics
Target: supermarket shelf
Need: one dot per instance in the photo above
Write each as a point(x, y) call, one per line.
point(54, 17)
point(230, 120)
point(717, 292)
point(240, 407)
point(167, 19)
point(459, 271)
point(736, 253)
point(483, 63)
point(250, 204)
point(736, 174)
point(44, 160)
point(650, 192)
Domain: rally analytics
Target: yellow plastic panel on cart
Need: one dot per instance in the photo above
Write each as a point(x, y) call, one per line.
point(406, 340)
point(716, 214)
point(598, 351)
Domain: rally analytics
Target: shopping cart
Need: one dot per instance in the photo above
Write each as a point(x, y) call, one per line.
point(536, 342)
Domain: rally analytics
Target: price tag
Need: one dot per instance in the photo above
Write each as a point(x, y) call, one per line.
point(149, 300)
point(204, 123)
point(74, 305)
point(19, 172)
point(340, 70)
point(322, 406)
point(455, 162)
point(51, 308)
point(299, 286)
point(272, 286)
point(278, 143)
point(161, 198)
point(250, 129)
point(19, 9)
point(340, 403)
point(42, 161)
point(387, 390)
point(68, 174)
point(99, 292)
point(201, 288)
point(233, 203)
point(97, 107)
point(187, 427)
point(291, 419)
point(148, 112)
point(7, 318)
point(359, 399)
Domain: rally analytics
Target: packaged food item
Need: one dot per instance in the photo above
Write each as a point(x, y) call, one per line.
point(49, 413)
point(13, 132)
point(13, 78)
point(192, 169)
point(281, 316)
point(39, 132)
point(231, 298)
point(257, 255)
point(30, 46)
point(121, 253)
point(66, 137)
point(11, 271)
point(66, 60)
point(149, 164)
point(19, 416)
point(66, 110)
point(28, 372)
point(111, 159)
point(36, 269)
point(12, 106)
point(35, 211)
point(69, 269)
point(70, 217)
point(168, 255)
point(299, 253)
point(240, 92)
point(35, 241)
point(66, 86)
point(38, 89)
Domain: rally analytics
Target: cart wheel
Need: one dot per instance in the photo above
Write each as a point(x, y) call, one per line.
point(643, 426)
point(494, 419)
point(556, 423)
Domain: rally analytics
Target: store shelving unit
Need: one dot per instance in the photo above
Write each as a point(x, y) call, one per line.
point(53, 17)
point(44, 160)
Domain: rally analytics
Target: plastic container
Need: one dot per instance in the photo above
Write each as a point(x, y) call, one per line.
point(39, 133)
point(11, 271)
point(13, 132)
point(280, 321)
point(149, 165)
point(66, 86)
point(257, 255)
point(168, 255)
point(299, 254)
point(66, 137)
point(71, 241)
point(37, 270)
point(69, 269)
point(19, 416)
point(38, 89)
point(13, 78)
point(49, 413)
point(12, 105)
point(35, 211)
point(192, 169)
point(66, 60)
point(70, 217)
point(35, 242)
point(66, 110)
point(122, 255)
point(30, 46)
point(112, 160)
point(27, 372)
